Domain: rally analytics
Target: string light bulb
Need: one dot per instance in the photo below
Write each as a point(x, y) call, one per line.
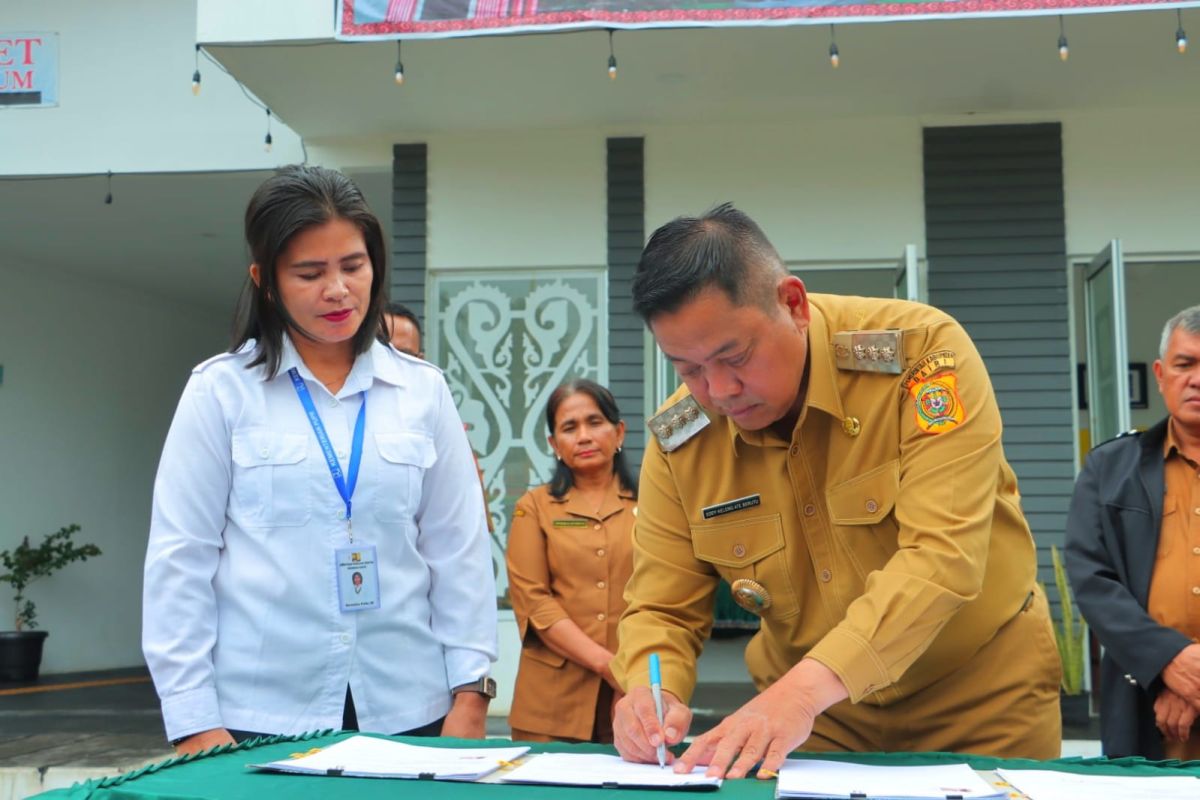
point(108, 197)
point(612, 58)
point(399, 76)
point(835, 57)
point(196, 74)
point(1180, 34)
point(1064, 52)
point(267, 140)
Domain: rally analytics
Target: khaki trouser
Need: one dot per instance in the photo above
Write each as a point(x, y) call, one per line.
point(1004, 702)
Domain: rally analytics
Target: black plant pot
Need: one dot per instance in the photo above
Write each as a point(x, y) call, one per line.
point(1076, 709)
point(21, 655)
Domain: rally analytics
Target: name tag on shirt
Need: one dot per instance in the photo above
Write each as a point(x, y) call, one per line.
point(728, 507)
point(357, 577)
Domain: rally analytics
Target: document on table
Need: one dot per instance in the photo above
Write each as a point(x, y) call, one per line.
point(1044, 784)
point(840, 779)
point(597, 769)
point(368, 757)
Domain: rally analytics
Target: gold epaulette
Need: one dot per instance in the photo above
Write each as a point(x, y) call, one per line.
point(678, 422)
point(870, 351)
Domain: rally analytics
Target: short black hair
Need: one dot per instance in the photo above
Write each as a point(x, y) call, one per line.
point(563, 479)
point(722, 248)
point(296, 198)
point(400, 310)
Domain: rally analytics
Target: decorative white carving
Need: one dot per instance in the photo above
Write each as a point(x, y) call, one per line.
point(506, 340)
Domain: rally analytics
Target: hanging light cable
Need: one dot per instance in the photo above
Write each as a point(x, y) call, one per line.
point(108, 196)
point(1064, 52)
point(1180, 34)
point(399, 76)
point(267, 140)
point(612, 57)
point(196, 74)
point(835, 57)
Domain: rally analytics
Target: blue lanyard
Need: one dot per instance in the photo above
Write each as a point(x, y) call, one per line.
point(345, 488)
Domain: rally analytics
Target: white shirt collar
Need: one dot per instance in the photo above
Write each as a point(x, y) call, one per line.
point(377, 362)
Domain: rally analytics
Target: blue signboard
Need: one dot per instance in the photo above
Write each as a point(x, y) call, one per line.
point(28, 70)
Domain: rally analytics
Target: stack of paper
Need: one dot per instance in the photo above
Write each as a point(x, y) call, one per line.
point(839, 779)
point(368, 757)
point(1043, 784)
point(589, 769)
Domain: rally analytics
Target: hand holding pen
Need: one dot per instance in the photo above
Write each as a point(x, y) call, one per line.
point(638, 731)
point(656, 693)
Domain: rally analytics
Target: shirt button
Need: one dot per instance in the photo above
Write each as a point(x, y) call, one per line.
point(600, 616)
point(795, 450)
point(1197, 509)
point(600, 584)
point(264, 452)
point(809, 510)
point(341, 453)
point(739, 550)
point(1196, 590)
point(345, 637)
point(872, 506)
point(333, 401)
point(1196, 551)
point(596, 527)
point(826, 575)
point(600, 551)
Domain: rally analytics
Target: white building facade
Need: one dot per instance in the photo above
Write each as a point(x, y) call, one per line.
point(517, 183)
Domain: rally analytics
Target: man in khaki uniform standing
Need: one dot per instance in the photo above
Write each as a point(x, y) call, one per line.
point(837, 460)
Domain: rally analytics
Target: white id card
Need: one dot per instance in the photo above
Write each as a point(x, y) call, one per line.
point(357, 577)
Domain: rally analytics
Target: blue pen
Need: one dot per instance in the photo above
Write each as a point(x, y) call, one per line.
point(656, 690)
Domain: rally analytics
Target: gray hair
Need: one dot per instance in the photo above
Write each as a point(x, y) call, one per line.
point(1188, 319)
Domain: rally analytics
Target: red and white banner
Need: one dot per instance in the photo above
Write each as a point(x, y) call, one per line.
point(414, 19)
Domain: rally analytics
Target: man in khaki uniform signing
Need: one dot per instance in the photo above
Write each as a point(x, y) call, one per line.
point(838, 461)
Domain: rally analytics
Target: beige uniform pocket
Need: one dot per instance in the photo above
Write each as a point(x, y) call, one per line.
point(753, 548)
point(861, 512)
point(534, 648)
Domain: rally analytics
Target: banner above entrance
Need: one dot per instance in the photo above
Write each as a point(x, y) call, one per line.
point(416, 19)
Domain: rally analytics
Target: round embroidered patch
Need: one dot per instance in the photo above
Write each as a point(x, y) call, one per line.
point(938, 406)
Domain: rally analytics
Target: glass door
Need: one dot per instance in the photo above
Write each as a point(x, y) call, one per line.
point(1107, 353)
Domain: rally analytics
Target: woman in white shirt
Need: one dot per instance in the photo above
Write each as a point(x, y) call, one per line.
point(309, 453)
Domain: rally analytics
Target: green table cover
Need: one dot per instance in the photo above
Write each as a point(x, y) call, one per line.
point(222, 774)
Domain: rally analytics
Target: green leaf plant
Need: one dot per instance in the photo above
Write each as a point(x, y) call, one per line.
point(26, 563)
point(1069, 631)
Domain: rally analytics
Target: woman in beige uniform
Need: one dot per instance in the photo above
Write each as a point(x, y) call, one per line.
point(570, 553)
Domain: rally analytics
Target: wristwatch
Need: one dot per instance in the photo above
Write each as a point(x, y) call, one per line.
point(485, 686)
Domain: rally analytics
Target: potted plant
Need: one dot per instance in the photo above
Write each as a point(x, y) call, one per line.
point(1069, 636)
point(21, 649)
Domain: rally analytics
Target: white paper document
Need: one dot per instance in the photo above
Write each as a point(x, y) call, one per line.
point(839, 779)
point(1044, 784)
point(596, 769)
point(368, 757)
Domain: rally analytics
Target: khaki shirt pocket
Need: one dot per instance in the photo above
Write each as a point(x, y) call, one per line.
point(1169, 530)
point(753, 548)
point(535, 649)
point(861, 510)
